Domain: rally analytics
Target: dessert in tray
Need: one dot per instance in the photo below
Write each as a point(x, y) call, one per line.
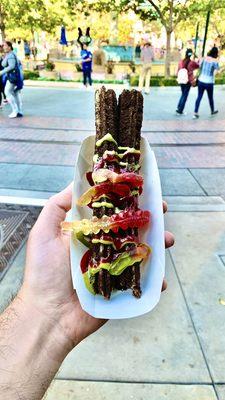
point(115, 254)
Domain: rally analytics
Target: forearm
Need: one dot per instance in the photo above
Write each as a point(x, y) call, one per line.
point(11, 66)
point(31, 352)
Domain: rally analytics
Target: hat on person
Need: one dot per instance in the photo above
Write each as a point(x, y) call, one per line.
point(189, 53)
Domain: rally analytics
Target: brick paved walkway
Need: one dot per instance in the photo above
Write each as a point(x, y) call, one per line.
point(176, 125)
point(77, 135)
point(30, 144)
point(65, 154)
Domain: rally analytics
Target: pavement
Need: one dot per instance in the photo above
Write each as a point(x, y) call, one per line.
point(176, 351)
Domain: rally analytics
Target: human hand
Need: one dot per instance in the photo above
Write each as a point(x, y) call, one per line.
point(47, 282)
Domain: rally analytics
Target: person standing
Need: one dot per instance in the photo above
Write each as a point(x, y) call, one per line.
point(86, 56)
point(206, 80)
point(10, 64)
point(147, 56)
point(186, 79)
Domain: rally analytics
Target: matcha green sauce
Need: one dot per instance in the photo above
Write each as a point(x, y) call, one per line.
point(98, 204)
point(108, 137)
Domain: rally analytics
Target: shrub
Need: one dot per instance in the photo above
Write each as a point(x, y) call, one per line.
point(31, 74)
point(155, 81)
point(220, 80)
point(49, 66)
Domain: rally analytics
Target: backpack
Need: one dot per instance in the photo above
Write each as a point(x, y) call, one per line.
point(182, 76)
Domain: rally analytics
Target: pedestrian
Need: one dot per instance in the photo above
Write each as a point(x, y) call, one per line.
point(2, 80)
point(208, 66)
point(186, 79)
point(14, 83)
point(138, 51)
point(86, 56)
point(147, 56)
point(27, 49)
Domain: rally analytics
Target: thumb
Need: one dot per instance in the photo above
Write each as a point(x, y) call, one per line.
point(53, 213)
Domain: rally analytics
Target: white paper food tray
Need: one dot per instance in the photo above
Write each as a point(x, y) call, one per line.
point(123, 304)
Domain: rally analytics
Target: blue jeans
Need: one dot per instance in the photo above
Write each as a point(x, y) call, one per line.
point(87, 77)
point(185, 88)
point(201, 88)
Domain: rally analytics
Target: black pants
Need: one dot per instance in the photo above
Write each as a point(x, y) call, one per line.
point(87, 77)
point(2, 93)
point(185, 88)
point(201, 88)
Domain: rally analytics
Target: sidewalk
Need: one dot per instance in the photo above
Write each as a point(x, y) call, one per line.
point(176, 351)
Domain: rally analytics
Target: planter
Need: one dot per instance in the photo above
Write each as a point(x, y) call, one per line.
point(110, 77)
point(99, 69)
point(71, 75)
point(48, 74)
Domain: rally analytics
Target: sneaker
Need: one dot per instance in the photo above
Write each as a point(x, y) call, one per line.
point(195, 116)
point(19, 115)
point(5, 101)
point(180, 113)
point(214, 112)
point(147, 92)
point(13, 115)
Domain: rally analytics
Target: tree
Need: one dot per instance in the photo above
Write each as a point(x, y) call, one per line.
point(43, 15)
point(170, 13)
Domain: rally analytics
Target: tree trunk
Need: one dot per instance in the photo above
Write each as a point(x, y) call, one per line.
point(2, 26)
point(168, 53)
point(2, 33)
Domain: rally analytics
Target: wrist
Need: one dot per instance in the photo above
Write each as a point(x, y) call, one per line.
point(32, 350)
point(46, 329)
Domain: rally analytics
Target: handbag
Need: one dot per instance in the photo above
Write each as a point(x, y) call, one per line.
point(196, 79)
point(16, 76)
point(13, 76)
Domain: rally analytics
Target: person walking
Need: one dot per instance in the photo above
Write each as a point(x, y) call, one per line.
point(186, 79)
point(27, 49)
point(86, 56)
point(2, 83)
point(206, 80)
point(147, 56)
point(13, 86)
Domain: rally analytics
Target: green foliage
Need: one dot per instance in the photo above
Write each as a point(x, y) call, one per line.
point(49, 66)
point(156, 81)
point(172, 81)
point(33, 75)
point(43, 15)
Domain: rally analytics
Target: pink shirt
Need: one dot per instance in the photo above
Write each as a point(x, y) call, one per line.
point(192, 65)
point(147, 54)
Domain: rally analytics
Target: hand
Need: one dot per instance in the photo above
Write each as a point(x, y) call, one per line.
point(47, 283)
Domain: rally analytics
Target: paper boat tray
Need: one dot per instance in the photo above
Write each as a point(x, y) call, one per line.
point(123, 304)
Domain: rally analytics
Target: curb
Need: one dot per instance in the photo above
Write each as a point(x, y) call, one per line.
point(71, 85)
